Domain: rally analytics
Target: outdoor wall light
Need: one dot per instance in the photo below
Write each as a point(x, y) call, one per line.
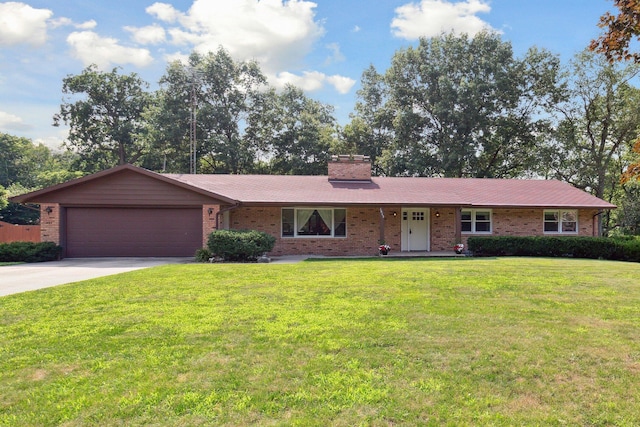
point(437, 214)
point(210, 211)
point(48, 209)
point(395, 213)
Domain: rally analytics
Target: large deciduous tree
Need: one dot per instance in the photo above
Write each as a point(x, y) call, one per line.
point(25, 166)
point(620, 31)
point(598, 126)
point(462, 107)
point(3, 197)
point(629, 206)
point(222, 92)
point(619, 43)
point(628, 212)
point(632, 171)
point(12, 152)
point(292, 132)
point(103, 111)
point(370, 131)
point(32, 165)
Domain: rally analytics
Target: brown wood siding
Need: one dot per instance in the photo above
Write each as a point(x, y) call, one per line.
point(143, 232)
point(126, 188)
point(19, 233)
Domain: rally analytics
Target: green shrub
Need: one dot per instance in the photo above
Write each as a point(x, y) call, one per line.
point(623, 249)
point(240, 245)
point(29, 252)
point(203, 255)
point(628, 249)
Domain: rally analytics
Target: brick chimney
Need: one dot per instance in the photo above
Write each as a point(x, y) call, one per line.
point(350, 168)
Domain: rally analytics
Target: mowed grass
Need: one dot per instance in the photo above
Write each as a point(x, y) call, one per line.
point(507, 341)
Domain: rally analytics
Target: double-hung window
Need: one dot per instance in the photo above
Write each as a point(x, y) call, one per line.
point(561, 221)
point(475, 221)
point(314, 222)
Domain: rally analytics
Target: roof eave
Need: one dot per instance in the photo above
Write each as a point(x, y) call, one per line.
point(32, 197)
point(550, 206)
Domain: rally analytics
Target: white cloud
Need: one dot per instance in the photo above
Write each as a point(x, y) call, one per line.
point(171, 57)
point(432, 17)
point(342, 84)
point(22, 24)
point(164, 12)
point(311, 81)
point(180, 37)
point(60, 22)
point(336, 54)
point(87, 25)
point(151, 34)
point(90, 48)
point(53, 142)
point(64, 22)
point(12, 122)
point(356, 29)
point(278, 34)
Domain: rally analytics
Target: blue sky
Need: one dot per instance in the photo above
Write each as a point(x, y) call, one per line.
point(322, 46)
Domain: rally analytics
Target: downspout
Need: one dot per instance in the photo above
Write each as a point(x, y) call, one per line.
point(381, 241)
point(458, 224)
point(222, 211)
point(597, 226)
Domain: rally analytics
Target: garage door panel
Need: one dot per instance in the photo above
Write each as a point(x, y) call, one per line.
point(93, 232)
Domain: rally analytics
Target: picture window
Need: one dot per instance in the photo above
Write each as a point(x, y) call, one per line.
point(314, 222)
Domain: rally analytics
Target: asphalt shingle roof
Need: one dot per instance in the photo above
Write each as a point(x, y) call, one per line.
point(295, 189)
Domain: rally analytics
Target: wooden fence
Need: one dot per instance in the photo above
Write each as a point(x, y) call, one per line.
point(19, 233)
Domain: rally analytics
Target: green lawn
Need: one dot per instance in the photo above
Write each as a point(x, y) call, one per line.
point(506, 341)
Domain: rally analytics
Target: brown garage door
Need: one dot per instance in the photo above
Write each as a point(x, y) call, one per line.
point(98, 232)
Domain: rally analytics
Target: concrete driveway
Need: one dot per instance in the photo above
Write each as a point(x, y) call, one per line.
point(27, 277)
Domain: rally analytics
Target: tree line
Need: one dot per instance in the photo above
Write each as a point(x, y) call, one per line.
point(240, 123)
point(451, 106)
point(24, 167)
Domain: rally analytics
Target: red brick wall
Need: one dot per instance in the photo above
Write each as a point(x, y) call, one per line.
point(529, 222)
point(363, 229)
point(392, 228)
point(443, 229)
point(345, 168)
point(363, 232)
point(208, 221)
point(50, 223)
point(518, 222)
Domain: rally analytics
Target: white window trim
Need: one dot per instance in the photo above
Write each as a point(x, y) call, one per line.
point(560, 212)
point(295, 223)
point(473, 221)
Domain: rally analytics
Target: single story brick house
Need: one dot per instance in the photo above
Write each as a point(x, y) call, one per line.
point(130, 211)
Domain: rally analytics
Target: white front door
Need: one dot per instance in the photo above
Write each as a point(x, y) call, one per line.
point(415, 229)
